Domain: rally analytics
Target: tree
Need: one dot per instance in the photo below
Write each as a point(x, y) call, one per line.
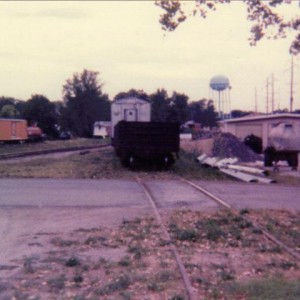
point(132, 93)
point(159, 105)
point(203, 112)
point(84, 103)
point(178, 108)
point(9, 111)
point(40, 111)
point(267, 22)
point(236, 113)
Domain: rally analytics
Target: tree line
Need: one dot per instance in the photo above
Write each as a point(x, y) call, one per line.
point(84, 102)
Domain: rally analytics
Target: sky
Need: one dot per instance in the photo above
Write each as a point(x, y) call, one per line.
point(43, 43)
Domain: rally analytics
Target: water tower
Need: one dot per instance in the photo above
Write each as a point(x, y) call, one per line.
point(220, 94)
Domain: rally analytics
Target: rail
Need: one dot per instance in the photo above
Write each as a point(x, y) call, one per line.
point(257, 226)
point(50, 151)
point(187, 283)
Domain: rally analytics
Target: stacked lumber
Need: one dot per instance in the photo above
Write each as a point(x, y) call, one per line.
point(230, 167)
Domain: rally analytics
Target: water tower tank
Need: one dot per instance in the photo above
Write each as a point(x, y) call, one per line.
point(219, 83)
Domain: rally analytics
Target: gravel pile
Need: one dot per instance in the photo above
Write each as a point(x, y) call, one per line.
point(227, 145)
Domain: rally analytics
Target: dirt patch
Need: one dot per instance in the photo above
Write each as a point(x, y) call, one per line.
point(218, 249)
point(198, 147)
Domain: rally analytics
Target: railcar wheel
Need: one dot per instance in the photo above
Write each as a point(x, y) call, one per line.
point(292, 160)
point(168, 160)
point(269, 157)
point(131, 162)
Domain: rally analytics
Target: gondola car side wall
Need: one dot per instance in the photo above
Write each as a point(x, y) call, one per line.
point(146, 139)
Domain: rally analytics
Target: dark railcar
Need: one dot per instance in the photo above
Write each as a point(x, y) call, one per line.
point(140, 141)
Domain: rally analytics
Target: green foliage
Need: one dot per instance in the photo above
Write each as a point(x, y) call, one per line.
point(203, 112)
point(132, 93)
point(274, 288)
point(84, 103)
point(121, 283)
point(39, 110)
point(9, 111)
point(264, 14)
point(184, 234)
point(72, 262)
point(159, 105)
point(56, 283)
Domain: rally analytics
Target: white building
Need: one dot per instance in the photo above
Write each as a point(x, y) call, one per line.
point(130, 109)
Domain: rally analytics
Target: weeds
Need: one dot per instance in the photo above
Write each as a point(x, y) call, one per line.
point(56, 283)
point(137, 251)
point(93, 240)
point(274, 288)
point(72, 262)
point(177, 297)
point(183, 234)
point(28, 265)
point(155, 286)
point(164, 276)
point(63, 243)
point(211, 229)
point(125, 261)
point(121, 283)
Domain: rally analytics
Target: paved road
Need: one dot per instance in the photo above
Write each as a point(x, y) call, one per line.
point(33, 209)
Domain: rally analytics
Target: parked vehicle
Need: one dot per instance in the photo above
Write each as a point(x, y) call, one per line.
point(35, 134)
point(283, 144)
point(137, 140)
point(13, 130)
point(65, 135)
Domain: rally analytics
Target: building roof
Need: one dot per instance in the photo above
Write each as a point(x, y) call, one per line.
point(263, 117)
point(13, 119)
point(130, 100)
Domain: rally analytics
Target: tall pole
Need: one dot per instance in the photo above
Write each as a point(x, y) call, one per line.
point(219, 108)
point(272, 86)
point(255, 107)
point(292, 84)
point(267, 96)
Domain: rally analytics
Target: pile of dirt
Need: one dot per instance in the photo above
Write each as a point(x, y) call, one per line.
point(227, 145)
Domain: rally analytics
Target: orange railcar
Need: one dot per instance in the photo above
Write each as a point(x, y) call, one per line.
point(13, 130)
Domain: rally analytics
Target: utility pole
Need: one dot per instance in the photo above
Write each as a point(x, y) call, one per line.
point(272, 86)
point(292, 84)
point(267, 95)
point(255, 107)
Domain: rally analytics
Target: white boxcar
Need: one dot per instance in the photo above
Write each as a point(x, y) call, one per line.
point(129, 109)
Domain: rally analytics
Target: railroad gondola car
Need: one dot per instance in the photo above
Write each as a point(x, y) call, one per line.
point(136, 139)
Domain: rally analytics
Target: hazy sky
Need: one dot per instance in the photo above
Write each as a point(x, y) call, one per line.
point(43, 43)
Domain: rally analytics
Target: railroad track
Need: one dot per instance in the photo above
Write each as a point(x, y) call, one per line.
point(187, 282)
point(50, 151)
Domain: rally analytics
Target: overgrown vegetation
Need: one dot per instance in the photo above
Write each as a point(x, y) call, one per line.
point(99, 165)
point(49, 145)
point(269, 288)
point(134, 262)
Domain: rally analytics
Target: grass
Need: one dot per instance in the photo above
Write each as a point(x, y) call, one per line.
point(119, 284)
point(265, 289)
point(145, 268)
point(56, 283)
point(48, 145)
point(102, 164)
